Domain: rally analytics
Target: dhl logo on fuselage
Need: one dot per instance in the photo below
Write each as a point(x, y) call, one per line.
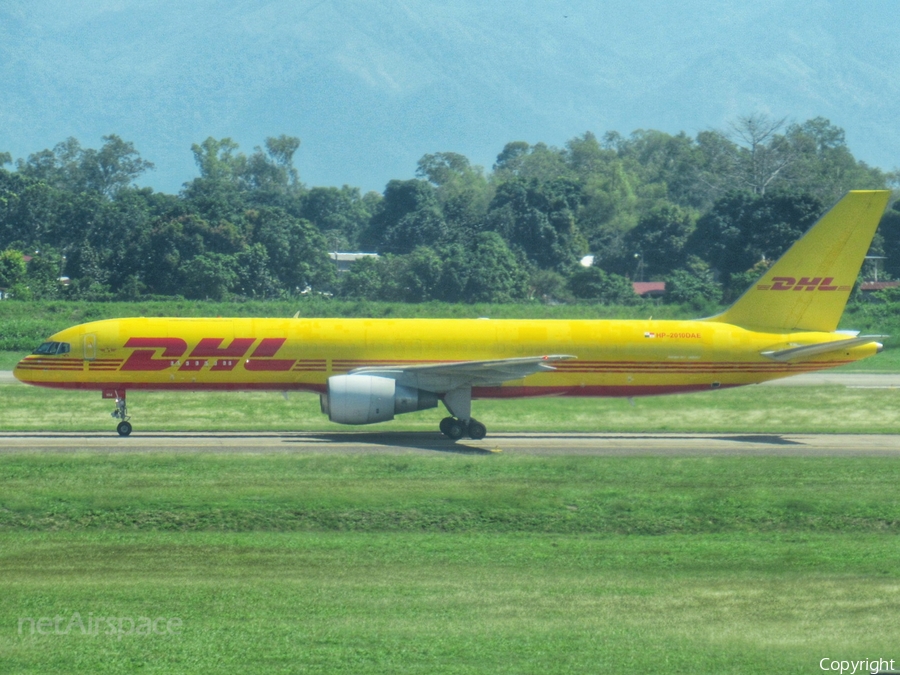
point(805, 284)
point(209, 351)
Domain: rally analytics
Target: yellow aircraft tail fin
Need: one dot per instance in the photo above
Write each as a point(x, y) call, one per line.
point(807, 288)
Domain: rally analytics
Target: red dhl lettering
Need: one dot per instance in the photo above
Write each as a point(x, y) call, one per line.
point(805, 283)
point(783, 283)
point(267, 349)
point(144, 355)
point(226, 357)
point(209, 351)
point(808, 284)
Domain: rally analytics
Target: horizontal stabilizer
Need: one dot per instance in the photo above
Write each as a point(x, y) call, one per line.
point(807, 351)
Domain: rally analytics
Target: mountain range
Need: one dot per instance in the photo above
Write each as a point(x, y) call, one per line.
point(369, 87)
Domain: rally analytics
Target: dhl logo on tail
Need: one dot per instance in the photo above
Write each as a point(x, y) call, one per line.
point(805, 283)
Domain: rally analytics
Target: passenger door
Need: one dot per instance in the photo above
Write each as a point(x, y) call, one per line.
point(90, 347)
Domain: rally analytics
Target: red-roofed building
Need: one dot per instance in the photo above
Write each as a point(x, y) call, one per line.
point(649, 289)
point(872, 286)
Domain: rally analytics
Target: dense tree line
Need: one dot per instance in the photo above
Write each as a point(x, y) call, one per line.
point(706, 214)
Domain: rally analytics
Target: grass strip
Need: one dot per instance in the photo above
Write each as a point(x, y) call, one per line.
point(450, 603)
point(317, 563)
point(383, 493)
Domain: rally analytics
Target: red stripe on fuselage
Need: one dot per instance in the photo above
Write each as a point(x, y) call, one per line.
point(590, 391)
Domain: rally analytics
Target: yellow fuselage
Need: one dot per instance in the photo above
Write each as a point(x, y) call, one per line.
point(612, 358)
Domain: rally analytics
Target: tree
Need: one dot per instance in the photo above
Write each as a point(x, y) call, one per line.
point(68, 166)
point(219, 160)
point(889, 229)
point(167, 247)
point(716, 157)
point(254, 279)
point(29, 211)
point(510, 158)
point(85, 265)
point(671, 163)
point(43, 272)
point(298, 253)
point(586, 156)
point(341, 214)
point(823, 166)
point(548, 286)
point(462, 190)
point(539, 162)
point(365, 279)
point(217, 193)
point(764, 153)
point(659, 239)
point(409, 216)
point(539, 219)
point(592, 283)
point(419, 275)
point(210, 276)
point(483, 269)
point(694, 286)
point(610, 206)
point(112, 168)
point(280, 151)
point(12, 268)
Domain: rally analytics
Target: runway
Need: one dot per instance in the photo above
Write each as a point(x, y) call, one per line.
point(547, 444)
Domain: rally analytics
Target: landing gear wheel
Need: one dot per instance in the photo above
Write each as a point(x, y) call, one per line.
point(121, 413)
point(477, 430)
point(453, 428)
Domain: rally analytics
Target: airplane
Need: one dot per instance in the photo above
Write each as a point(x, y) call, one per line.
point(369, 370)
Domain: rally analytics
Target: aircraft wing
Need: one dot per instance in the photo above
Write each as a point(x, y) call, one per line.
point(806, 351)
point(444, 377)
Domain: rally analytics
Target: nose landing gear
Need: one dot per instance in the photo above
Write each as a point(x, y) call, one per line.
point(121, 413)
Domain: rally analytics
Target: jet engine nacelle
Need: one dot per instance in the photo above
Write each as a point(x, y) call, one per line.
point(364, 399)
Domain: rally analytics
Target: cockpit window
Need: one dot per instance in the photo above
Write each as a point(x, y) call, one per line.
point(53, 348)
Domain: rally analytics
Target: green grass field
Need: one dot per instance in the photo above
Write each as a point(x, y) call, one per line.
point(450, 564)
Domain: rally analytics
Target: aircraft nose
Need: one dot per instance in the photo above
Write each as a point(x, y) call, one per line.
point(19, 372)
point(879, 347)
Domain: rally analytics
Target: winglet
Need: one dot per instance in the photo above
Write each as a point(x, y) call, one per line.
point(808, 288)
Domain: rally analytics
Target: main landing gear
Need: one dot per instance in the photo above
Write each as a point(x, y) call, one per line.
point(121, 413)
point(455, 429)
point(459, 403)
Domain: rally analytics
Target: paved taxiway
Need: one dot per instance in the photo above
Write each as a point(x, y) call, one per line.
point(389, 442)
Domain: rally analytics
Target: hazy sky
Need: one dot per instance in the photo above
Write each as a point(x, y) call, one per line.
point(370, 87)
